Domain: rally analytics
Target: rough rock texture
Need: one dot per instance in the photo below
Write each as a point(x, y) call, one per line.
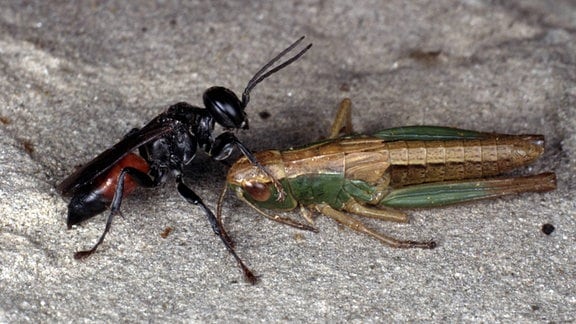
point(76, 76)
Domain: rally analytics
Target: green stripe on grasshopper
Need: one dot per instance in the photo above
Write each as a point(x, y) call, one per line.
point(455, 192)
point(428, 133)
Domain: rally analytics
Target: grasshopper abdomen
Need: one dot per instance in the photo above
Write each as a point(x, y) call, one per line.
point(414, 162)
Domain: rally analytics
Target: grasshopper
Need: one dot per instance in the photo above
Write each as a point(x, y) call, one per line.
point(375, 175)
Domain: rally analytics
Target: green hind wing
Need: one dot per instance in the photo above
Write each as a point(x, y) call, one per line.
point(428, 133)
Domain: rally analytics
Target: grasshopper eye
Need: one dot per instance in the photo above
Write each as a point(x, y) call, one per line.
point(257, 190)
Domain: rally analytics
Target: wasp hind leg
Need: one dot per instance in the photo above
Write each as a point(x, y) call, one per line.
point(142, 179)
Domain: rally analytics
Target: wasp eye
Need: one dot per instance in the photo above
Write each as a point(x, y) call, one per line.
point(257, 190)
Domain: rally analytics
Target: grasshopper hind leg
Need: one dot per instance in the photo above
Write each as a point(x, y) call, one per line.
point(343, 121)
point(358, 226)
point(383, 213)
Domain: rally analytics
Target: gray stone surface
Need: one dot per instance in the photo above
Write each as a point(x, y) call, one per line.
point(76, 76)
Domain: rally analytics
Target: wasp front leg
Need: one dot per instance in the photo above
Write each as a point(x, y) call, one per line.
point(190, 196)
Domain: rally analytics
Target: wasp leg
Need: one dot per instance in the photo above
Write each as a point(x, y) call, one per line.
point(358, 226)
point(191, 197)
point(343, 121)
point(142, 179)
point(454, 192)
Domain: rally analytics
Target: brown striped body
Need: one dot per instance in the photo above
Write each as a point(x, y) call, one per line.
point(434, 161)
point(406, 162)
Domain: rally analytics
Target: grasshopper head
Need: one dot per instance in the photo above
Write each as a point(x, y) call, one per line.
point(251, 184)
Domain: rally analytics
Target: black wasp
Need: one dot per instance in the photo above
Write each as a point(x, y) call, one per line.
point(167, 145)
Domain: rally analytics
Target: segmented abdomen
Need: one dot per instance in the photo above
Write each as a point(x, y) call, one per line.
point(415, 162)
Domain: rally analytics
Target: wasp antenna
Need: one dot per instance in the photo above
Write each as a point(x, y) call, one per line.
point(263, 73)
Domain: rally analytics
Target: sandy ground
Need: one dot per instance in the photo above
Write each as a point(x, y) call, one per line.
point(75, 77)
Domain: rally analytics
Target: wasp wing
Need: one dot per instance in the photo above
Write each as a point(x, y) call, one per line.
point(100, 164)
